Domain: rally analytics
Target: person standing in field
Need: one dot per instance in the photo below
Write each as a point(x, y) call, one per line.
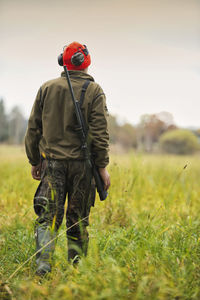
point(54, 150)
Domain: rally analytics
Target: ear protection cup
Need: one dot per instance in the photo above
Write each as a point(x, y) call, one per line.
point(60, 59)
point(77, 59)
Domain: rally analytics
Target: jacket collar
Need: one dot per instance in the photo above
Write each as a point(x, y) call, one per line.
point(78, 74)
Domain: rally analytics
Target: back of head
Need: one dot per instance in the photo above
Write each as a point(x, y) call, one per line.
point(76, 56)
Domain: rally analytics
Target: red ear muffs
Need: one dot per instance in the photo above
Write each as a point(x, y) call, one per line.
point(75, 57)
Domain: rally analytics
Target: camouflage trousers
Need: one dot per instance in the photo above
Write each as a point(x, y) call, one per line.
point(61, 179)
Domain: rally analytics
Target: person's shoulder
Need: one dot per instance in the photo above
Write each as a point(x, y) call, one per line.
point(51, 82)
point(96, 87)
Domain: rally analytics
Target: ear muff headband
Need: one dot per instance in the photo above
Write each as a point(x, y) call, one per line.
point(85, 50)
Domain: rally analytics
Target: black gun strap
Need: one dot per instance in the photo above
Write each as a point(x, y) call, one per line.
point(84, 88)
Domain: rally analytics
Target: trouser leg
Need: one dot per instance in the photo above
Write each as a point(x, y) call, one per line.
point(80, 200)
point(50, 200)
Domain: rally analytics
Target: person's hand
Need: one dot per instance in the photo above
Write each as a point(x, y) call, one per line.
point(36, 172)
point(106, 177)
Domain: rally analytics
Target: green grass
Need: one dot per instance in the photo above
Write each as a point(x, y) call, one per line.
point(144, 239)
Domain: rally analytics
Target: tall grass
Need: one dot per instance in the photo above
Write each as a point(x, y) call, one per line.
point(144, 239)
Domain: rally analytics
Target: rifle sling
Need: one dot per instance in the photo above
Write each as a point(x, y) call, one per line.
point(84, 88)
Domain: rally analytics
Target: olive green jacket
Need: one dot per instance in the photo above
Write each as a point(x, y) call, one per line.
point(52, 124)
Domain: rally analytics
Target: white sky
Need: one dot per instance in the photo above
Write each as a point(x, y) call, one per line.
point(145, 53)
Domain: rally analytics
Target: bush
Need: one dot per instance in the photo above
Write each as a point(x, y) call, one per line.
point(179, 141)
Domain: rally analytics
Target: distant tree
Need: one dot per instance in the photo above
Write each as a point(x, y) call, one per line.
point(151, 127)
point(127, 136)
point(113, 128)
point(166, 117)
point(197, 133)
point(17, 126)
point(124, 135)
point(179, 141)
point(3, 123)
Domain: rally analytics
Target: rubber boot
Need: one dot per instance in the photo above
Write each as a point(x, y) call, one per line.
point(44, 258)
point(76, 249)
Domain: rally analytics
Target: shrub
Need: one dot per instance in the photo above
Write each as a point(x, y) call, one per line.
point(179, 141)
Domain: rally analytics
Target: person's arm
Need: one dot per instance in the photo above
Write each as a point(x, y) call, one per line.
point(33, 136)
point(98, 129)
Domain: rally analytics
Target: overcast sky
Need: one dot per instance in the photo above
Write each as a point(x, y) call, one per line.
point(145, 53)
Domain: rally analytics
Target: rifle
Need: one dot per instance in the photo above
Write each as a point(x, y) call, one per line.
point(83, 135)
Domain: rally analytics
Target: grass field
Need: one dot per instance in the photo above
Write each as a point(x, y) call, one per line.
point(144, 239)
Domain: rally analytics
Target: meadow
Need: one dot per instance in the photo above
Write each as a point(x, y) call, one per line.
point(144, 239)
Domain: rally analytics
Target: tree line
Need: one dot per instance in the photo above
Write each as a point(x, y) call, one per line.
point(154, 132)
point(12, 125)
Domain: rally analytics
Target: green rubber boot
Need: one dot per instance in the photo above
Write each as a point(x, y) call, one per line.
point(43, 259)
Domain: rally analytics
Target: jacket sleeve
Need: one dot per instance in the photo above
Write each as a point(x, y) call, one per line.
point(34, 131)
point(98, 129)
